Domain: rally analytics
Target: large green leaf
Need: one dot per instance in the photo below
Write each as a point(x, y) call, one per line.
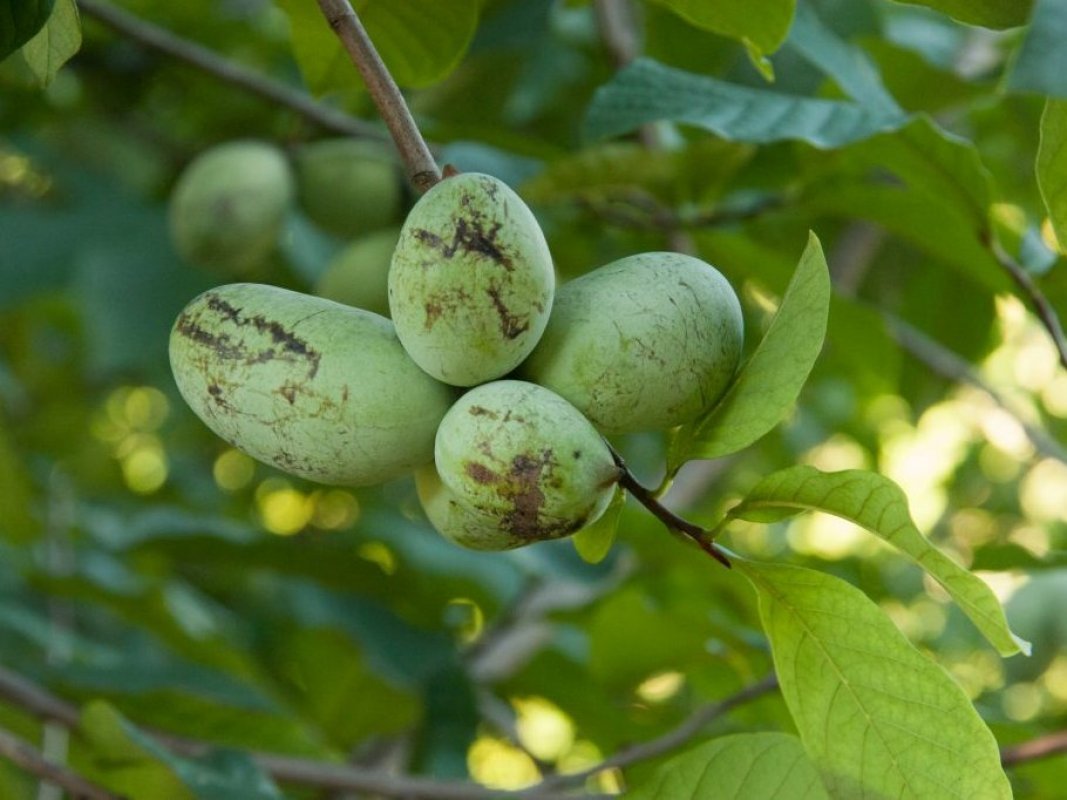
point(879, 505)
point(1041, 64)
point(420, 41)
point(765, 30)
point(770, 381)
point(647, 91)
point(848, 65)
point(738, 767)
point(987, 13)
point(19, 21)
point(877, 717)
point(1052, 166)
point(55, 43)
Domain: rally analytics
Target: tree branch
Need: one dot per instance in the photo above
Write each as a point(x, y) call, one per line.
point(648, 499)
point(1044, 310)
point(288, 769)
point(1041, 747)
point(208, 61)
point(421, 167)
point(22, 754)
point(671, 740)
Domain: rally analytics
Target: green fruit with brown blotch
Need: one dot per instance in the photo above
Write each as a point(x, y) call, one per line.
point(644, 343)
point(471, 282)
point(229, 205)
point(520, 464)
point(359, 275)
point(455, 521)
point(348, 187)
point(315, 388)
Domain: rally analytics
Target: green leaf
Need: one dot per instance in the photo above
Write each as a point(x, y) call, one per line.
point(1052, 167)
point(593, 542)
point(420, 41)
point(987, 13)
point(17, 520)
point(647, 91)
point(877, 717)
point(848, 65)
point(55, 43)
point(19, 21)
point(1041, 63)
point(879, 505)
point(770, 381)
point(738, 767)
point(735, 18)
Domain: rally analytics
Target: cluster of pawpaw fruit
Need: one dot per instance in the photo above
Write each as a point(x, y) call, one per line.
point(492, 385)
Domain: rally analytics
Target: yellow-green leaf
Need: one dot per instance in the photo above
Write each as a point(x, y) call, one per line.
point(878, 718)
point(879, 505)
point(1052, 167)
point(55, 43)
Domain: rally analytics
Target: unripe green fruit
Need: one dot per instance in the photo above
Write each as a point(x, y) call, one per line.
point(228, 206)
point(348, 187)
point(359, 275)
point(520, 464)
point(315, 388)
point(455, 521)
point(644, 343)
point(471, 283)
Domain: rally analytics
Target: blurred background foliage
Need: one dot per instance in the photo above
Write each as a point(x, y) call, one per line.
point(149, 572)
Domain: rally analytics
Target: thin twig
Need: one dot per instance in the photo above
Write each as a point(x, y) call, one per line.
point(1042, 747)
point(22, 754)
point(1042, 307)
point(673, 739)
point(209, 61)
point(40, 702)
point(422, 169)
point(944, 362)
point(648, 499)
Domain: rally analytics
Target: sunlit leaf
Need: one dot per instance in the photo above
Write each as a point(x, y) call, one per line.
point(987, 13)
point(770, 381)
point(1041, 64)
point(55, 43)
point(647, 91)
point(878, 718)
point(737, 767)
point(879, 505)
point(735, 18)
point(420, 41)
point(21, 19)
point(593, 542)
point(1052, 167)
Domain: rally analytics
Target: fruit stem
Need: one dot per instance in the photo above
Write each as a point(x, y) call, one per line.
point(648, 499)
point(422, 169)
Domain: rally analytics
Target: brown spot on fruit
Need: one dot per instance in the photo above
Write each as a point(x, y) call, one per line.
point(481, 473)
point(511, 325)
point(482, 411)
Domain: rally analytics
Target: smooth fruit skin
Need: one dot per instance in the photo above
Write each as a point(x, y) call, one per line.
point(228, 207)
point(317, 389)
point(644, 343)
point(359, 275)
point(519, 456)
point(471, 282)
point(348, 187)
point(455, 521)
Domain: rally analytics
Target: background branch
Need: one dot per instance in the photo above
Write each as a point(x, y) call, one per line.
point(25, 756)
point(208, 61)
point(672, 740)
point(39, 702)
point(422, 169)
point(1042, 307)
point(1042, 747)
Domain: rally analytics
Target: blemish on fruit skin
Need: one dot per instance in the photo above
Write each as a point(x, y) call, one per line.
point(481, 473)
point(482, 411)
point(509, 323)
